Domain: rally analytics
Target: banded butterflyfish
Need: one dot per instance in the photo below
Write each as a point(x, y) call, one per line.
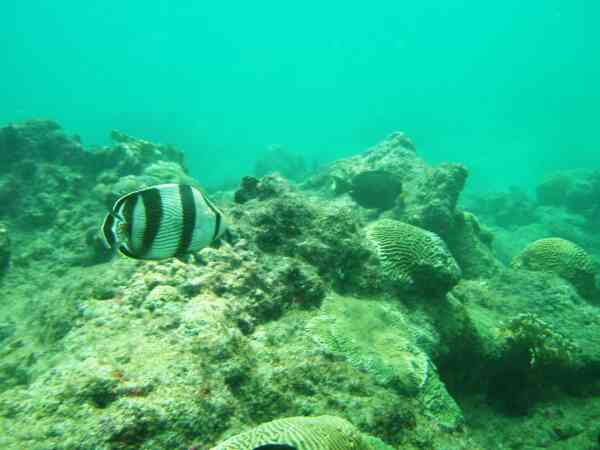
point(162, 221)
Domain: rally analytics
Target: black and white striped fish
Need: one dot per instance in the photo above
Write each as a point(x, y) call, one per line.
point(162, 221)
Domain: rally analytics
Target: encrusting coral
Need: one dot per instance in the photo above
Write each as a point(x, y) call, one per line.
point(414, 256)
point(303, 433)
point(563, 258)
point(375, 337)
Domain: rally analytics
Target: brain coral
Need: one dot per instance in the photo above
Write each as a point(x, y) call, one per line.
point(414, 256)
point(304, 433)
point(374, 337)
point(563, 258)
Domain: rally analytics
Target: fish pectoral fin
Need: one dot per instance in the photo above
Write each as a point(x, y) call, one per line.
point(125, 252)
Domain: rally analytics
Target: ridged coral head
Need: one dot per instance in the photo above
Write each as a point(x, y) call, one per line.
point(563, 258)
point(303, 433)
point(413, 256)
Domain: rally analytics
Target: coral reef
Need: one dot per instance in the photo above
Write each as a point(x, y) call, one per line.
point(303, 433)
point(414, 256)
point(563, 258)
point(428, 200)
point(292, 316)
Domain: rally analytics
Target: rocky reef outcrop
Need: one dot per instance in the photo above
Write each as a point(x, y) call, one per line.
point(428, 200)
point(575, 191)
point(527, 326)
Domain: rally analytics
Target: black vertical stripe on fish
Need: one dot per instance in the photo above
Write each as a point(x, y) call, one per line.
point(107, 231)
point(127, 213)
point(217, 214)
point(153, 208)
point(217, 225)
point(188, 215)
point(128, 205)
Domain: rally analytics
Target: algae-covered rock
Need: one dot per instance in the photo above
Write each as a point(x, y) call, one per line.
point(414, 256)
point(302, 433)
point(287, 222)
point(524, 332)
point(374, 336)
point(565, 259)
point(432, 202)
point(546, 347)
point(471, 245)
point(40, 140)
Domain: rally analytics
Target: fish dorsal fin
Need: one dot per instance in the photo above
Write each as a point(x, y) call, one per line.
point(121, 200)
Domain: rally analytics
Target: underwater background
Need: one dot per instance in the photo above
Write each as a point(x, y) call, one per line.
point(381, 231)
point(487, 84)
